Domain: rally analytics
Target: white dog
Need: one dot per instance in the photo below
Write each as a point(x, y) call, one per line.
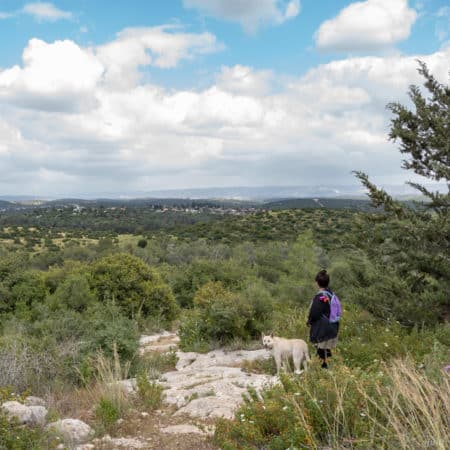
point(284, 348)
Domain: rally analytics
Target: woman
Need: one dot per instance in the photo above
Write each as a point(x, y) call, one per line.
point(323, 334)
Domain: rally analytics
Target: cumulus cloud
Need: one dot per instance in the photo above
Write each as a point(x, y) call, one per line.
point(163, 47)
point(237, 131)
point(250, 14)
point(367, 25)
point(241, 79)
point(62, 76)
point(57, 76)
point(4, 15)
point(45, 11)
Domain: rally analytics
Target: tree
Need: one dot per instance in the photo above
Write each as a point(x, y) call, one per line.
point(412, 243)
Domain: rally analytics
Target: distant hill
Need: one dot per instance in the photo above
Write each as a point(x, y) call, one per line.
point(327, 203)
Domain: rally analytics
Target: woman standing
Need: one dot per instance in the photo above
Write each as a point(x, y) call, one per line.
point(323, 332)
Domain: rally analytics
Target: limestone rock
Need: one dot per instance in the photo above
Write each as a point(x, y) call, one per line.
point(73, 431)
point(206, 385)
point(162, 342)
point(38, 415)
point(18, 411)
point(120, 443)
point(34, 401)
point(184, 428)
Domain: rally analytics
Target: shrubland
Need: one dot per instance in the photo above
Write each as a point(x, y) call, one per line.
point(72, 311)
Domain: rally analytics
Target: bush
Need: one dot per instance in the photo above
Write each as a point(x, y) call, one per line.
point(109, 330)
point(150, 392)
point(107, 413)
point(18, 437)
point(142, 243)
point(137, 289)
point(219, 317)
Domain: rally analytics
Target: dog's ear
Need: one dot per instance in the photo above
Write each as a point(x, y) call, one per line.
point(262, 335)
point(271, 334)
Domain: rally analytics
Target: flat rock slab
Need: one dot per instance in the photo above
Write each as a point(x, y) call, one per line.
point(184, 428)
point(206, 385)
point(162, 342)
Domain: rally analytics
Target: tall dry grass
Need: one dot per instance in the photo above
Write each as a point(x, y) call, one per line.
point(107, 386)
point(401, 406)
point(414, 408)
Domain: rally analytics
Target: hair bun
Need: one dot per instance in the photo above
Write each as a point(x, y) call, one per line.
point(323, 272)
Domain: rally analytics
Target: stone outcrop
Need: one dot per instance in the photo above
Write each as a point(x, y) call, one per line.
point(73, 431)
point(28, 415)
point(205, 385)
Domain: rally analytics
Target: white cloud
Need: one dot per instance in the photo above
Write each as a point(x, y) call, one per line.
point(367, 25)
point(57, 76)
point(250, 14)
point(163, 47)
point(45, 11)
point(238, 130)
point(4, 15)
point(244, 80)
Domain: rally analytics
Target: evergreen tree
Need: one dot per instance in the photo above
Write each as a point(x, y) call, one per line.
point(412, 243)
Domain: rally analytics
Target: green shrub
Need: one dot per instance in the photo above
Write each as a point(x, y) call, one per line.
point(150, 392)
point(106, 413)
point(142, 243)
point(221, 316)
point(18, 437)
point(108, 329)
point(138, 289)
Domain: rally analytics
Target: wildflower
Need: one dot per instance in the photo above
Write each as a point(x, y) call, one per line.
point(386, 344)
point(362, 414)
point(285, 408)
point(296, 393)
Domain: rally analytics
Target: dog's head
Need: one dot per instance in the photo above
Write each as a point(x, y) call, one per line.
point(267, 340)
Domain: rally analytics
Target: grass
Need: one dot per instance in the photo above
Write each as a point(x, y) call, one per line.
point(109, 396)
point(400, 406)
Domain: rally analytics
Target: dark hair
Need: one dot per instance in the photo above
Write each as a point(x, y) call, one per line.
point(323, 279)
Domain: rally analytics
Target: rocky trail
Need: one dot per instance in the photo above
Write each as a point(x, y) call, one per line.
point(202, 388)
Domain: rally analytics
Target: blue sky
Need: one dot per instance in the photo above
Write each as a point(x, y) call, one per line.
point(110, 96)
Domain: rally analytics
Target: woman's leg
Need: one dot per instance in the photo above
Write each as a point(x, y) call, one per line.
point(322, 353)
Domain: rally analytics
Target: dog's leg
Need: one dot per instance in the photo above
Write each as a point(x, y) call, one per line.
point(305, 362)
point(297, 357)
point(277, 357)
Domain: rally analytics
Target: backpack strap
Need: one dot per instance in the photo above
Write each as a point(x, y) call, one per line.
point(329, 294)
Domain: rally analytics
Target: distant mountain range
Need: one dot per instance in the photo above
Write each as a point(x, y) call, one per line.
point(264, 193)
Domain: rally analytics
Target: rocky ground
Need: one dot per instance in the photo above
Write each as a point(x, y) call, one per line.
point(202, 388)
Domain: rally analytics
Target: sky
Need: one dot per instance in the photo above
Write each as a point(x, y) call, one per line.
point(125, 97)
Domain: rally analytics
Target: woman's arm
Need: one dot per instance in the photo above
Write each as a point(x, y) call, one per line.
point(317, 310)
